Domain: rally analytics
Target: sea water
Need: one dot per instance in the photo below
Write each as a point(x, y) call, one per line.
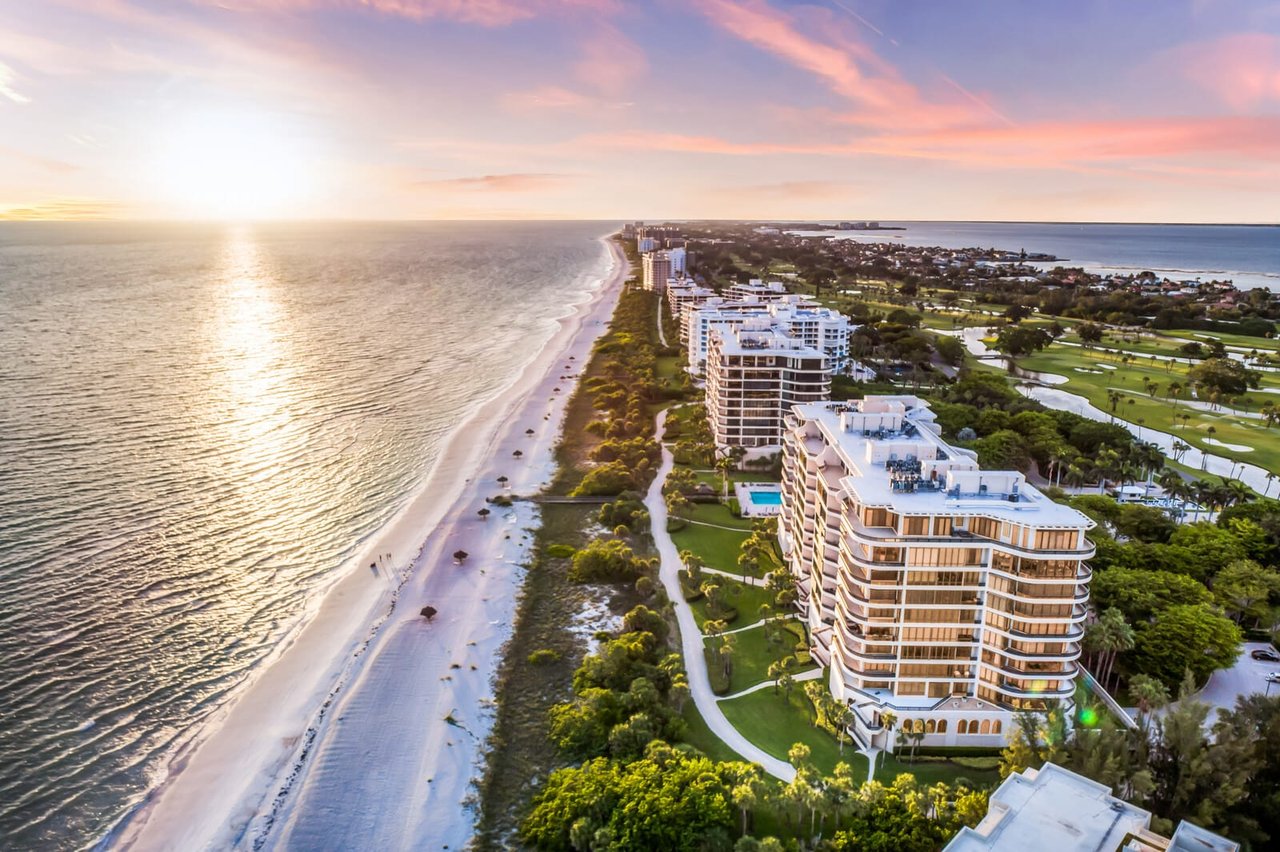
point(199, 425)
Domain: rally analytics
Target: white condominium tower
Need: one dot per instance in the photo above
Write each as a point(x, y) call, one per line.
point(794, 316)
point(949, 595)
point(755, 374)
point(657, 269)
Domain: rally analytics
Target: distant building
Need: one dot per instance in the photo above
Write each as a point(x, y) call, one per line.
point(950, 595)
point(759, 289)
point(677, 256)
point(656, 266)
point(1055, 809)
point(755, 374)
point(646, 244)
point(795, 316)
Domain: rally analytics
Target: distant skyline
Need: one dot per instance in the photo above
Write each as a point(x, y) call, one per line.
point(604, 109)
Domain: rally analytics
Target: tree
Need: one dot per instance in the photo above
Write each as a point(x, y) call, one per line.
point(1018, 340)
point(1222, 376)
point(665, 800)
point(1186, 637)
point(1244, 589)
point(1106, 638)
point(1150, 694)
point(1089, 333)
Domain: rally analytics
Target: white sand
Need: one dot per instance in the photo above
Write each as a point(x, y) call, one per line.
point(1106, 366)
point(342, 742)
point(1236, 448)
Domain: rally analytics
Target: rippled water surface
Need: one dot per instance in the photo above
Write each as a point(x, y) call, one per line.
point(198, 426)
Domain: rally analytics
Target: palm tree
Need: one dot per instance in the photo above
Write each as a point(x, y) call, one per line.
point(1270, 476)
point(1150, 694)
point(1175, 390)
point(1106, 638)
point(1179, 449)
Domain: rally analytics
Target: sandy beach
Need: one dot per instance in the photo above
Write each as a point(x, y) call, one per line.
point(367, 727)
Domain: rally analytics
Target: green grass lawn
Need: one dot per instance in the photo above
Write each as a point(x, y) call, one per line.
point(774, 722)
point(701, 737)
point(1158, 411)
point(717, 547)
point(753, 654)
point(745, 599)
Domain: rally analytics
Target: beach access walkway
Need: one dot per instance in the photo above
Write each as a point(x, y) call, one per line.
point(691, 638)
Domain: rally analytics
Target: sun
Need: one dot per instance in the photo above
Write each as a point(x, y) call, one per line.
point(226, 164)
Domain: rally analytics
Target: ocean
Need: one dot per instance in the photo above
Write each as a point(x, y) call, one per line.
point(199, 425)
point(1247, 254)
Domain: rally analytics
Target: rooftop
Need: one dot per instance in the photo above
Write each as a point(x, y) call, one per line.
point(747, 341)
point(896, 459)
point(1054, 808)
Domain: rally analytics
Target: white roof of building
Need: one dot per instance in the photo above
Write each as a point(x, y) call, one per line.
point(898, 461)
point(759, 341)
point(1055, 809)
point(1052, 808)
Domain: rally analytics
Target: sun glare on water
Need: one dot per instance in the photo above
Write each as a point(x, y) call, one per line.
point(230, 165)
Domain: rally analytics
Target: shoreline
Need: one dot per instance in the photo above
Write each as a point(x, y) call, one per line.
point(246, 777)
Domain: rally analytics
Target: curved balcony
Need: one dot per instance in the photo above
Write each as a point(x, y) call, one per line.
point(1019, 636)
point(1079, 577)
point(1081, 596)
point(881, 535)
point(1070, 652)
point(1022, 692)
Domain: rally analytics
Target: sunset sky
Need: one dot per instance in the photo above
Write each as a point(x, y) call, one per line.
point(388, 109)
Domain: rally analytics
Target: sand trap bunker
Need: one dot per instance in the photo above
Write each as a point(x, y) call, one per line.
point(1085, 370)
point(1106, 367)
point(1235, 448)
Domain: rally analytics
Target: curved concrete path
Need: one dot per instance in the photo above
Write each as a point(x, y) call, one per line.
point(691, 639)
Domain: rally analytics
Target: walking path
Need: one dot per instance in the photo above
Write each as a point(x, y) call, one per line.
point(760, 623)
point(691, 639)
point(746, 530)
point(662, 335)
point(812, 674)
point(750, 581)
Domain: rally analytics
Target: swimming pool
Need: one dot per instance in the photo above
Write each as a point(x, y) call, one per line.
point(758, 499)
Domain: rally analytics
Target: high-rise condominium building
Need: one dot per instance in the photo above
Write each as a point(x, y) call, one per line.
point(755, 374)
point(794, 316)
point(949, 595)
point(656, 266)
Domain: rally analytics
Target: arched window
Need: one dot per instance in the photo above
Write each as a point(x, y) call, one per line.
point(971, 727)
point(904, 725)
point(996, 726)
point(930, 727)
point(985, 728)
point(942, 726)
point(962, 727)
point(919, 726)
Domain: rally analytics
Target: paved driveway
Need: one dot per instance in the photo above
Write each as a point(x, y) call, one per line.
point(1244, 678)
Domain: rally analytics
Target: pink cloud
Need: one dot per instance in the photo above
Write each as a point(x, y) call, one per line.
point(610, 61)
point(849, 67)
point(519, 182)
point(60, 209)
point(1241, 70)
point(1044, 145)
point(485, 13)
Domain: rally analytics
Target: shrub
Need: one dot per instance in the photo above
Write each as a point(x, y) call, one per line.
point(561, 551)
point(543, 656)
point(735, 508)
point(606, 560)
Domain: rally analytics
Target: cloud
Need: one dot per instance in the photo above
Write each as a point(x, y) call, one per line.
point(7, 78)
point(1042, 145)
point(851, 69)
point(791, 190)
point(517, 182)
point(485, 13)
point(48, 164)
point(60, 209)
point(1241, 70)
point(610, 61)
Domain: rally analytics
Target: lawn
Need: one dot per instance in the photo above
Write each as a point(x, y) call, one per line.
point(774, 722)
point(747, 600)
point(1158, 411)
point(702, 738)
point(753, 654)
point(717, 547)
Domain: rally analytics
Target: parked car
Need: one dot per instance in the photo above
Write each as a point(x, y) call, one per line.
point(1266, 654)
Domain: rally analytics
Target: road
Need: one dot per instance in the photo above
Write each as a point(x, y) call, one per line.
point(1247, 676)
point(691, 639)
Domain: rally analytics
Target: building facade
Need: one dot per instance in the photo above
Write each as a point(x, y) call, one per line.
point(755, 375)
point(656, 268)
point(795, 316)
point(951, 596)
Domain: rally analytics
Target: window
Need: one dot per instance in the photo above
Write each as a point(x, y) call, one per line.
point(930, 727)
point(942, 726)
point(985, 727)
point(996, 726)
